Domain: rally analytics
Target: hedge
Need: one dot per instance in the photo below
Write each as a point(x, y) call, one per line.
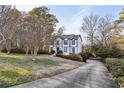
point(14, 50)
point(103, 52)
point(22, 51)
point(116, 67)
point(43, 52)
point(74, 57)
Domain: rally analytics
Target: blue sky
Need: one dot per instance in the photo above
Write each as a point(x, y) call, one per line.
point(71, 16)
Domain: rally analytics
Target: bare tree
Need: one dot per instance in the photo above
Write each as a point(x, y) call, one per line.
point(105, 33)
point(89, 26)
point(100, 30)
point(33, 34)
point(11, 26)
point(4, 9)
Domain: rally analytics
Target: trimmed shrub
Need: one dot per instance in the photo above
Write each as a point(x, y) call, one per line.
point(87, 55)
point(4, 50)
point(14, 50)
point(82, 54)
point(17, 50)
point(59, 52)
point(43, 52)
point(74, 57)
point(22, 51)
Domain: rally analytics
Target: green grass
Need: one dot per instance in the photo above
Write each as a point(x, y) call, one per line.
point(116, 67)
point(12, 75)
point(25, 61)
point(17, 69)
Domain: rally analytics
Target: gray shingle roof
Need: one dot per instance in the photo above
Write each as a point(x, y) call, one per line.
point(71, 36)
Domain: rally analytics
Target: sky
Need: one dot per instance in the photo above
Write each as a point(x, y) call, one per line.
point(70, 16)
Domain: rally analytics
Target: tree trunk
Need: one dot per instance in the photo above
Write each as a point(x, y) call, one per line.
point(92, 41)
point(8, 51)
point(8, 46)
point(27, 50)
point(34, 54)
point(34, 57)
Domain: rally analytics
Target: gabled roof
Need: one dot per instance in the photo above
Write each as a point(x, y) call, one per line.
point(71, 36)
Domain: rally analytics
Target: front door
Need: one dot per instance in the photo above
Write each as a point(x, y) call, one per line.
point(57, 49)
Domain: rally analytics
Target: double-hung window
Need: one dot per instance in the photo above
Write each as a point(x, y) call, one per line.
point(65, 49)
point(73, 42)
point(65, 42)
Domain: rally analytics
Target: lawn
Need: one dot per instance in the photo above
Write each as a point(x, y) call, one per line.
point(17, 69)
point(116, 67)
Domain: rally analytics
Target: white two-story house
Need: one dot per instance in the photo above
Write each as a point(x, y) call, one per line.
point(68, 44)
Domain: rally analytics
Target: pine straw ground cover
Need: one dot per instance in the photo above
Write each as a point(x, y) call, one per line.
point(18, 69)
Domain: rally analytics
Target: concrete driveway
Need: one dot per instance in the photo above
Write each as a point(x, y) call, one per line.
point(93, 74)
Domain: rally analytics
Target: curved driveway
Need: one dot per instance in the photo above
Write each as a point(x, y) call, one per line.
point(93, 74)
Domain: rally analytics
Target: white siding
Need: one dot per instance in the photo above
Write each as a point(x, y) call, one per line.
point(63, 45)
point(77, 46)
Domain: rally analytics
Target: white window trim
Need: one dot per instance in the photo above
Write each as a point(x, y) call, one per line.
point(64, 42)
point(66, 49)
point(74, 42)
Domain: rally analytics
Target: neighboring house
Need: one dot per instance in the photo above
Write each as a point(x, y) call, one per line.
point(68, 44)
